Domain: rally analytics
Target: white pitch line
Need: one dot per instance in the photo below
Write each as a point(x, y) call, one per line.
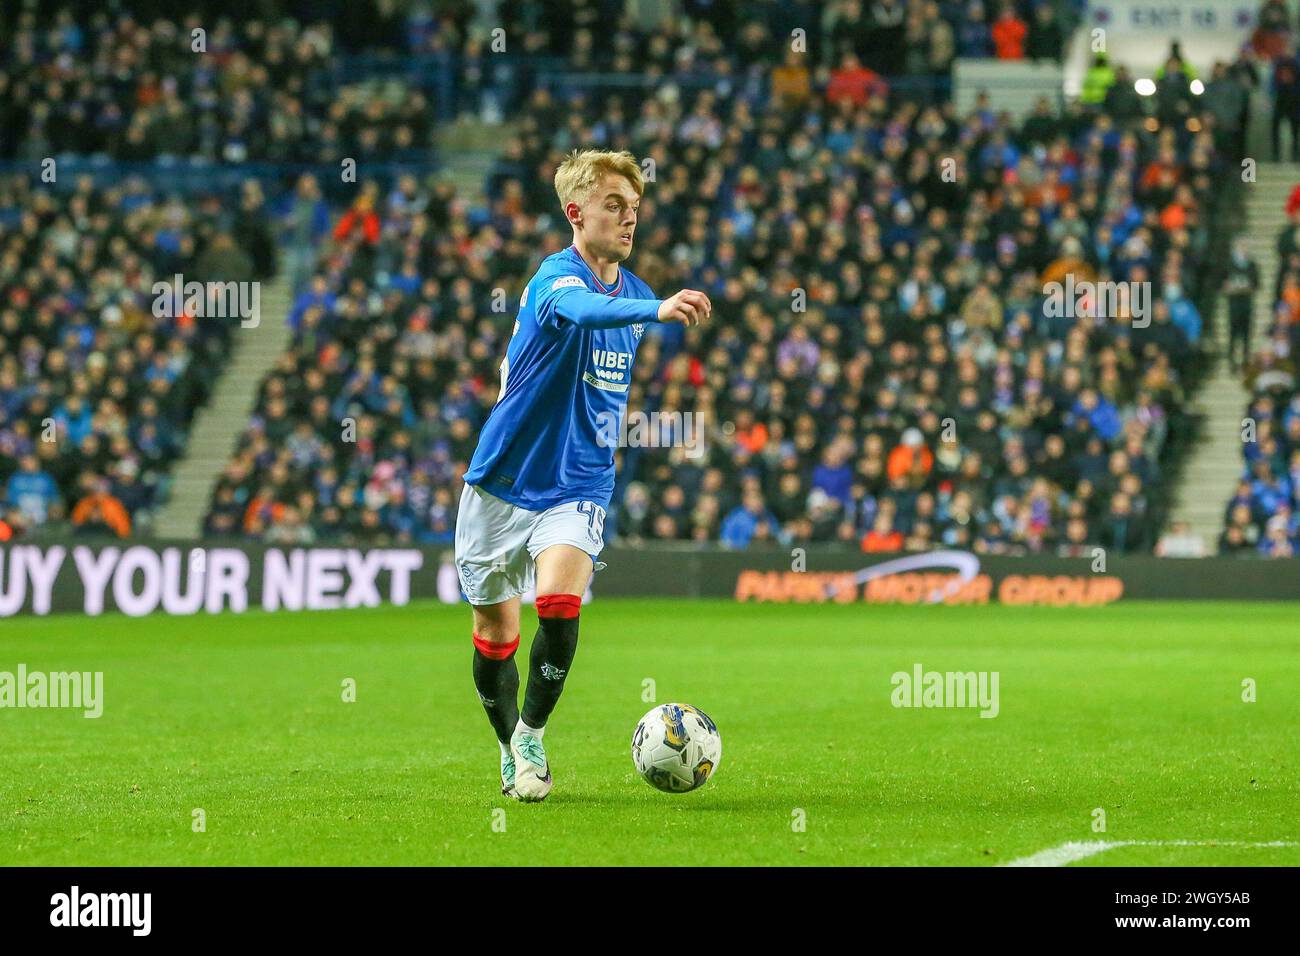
point(1065, 853)
point(1074, 851)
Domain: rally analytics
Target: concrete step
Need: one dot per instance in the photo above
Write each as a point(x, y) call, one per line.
point(469, 148)
point(1231, 469)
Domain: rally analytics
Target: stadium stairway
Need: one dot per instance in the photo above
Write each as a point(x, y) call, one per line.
point(219, 424)
point(468, 148)
point(1210, 475)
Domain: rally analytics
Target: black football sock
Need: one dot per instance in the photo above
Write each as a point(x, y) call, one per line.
point(552, 655)
point(496, 677)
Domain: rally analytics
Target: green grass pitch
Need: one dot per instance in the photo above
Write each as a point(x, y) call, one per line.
point(1133, 708)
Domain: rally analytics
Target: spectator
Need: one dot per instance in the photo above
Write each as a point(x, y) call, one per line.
point(1180, 542)
point(854, 83)
point(1227, 101)
point(304, 222)
point(1286, 103)
point(361, 220)
point(1239, 286)
point(1272, 29)
point(1009, 33)
point(1046, 38)
point(910, 459)
point(1277, 541)
point(32, 492)
point(1183, 312)
point(252, 233)
point(1121, 99)
point(1123, 531)
point(833, 476)
point(883, 536)
point(1173, 91)
point(746, 521)
point(223, 261)
point(100, 513)
point(792, 82)
point(974, 38)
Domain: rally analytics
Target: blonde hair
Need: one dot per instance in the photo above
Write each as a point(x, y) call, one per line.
point(581, 170)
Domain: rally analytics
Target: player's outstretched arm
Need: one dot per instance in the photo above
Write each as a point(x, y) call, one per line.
point(594, 311)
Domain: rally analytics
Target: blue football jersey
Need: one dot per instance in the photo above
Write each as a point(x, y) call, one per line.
point(551, 436)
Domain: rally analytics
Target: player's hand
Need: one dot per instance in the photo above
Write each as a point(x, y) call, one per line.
point(687, 307)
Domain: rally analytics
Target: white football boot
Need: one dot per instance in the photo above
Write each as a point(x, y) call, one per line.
point(532, 772)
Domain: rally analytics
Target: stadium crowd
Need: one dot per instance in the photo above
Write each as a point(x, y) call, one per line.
point(917, 396)
point(202, 86)
point(881, 369)
point(140, 81)
point(98, 382)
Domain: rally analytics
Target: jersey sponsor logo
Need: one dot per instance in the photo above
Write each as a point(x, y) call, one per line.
point(638, 329)
point(567, 282)
point(611, 367)
point(608, 358)
point(605, 386)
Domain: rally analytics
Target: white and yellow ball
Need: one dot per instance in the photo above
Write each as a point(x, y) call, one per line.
point(676, 748)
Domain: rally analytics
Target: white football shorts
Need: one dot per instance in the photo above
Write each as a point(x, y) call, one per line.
point(497, 543)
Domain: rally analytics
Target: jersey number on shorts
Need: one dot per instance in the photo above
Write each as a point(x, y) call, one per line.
point(595, 519)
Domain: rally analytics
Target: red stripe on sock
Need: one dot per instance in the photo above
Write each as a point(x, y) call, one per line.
point(559, 605)
point(495, 652)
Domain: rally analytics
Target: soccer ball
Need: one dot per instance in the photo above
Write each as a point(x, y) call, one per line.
point(676, 748)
